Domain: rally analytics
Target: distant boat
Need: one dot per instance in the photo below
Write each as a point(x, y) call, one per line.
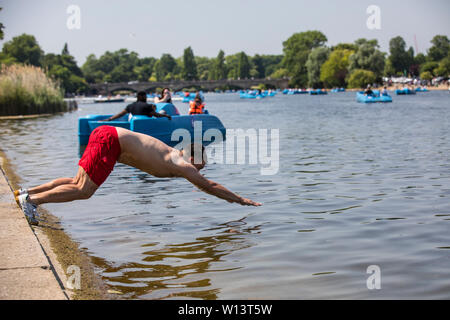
point(251, 96)
point(109, 100)
point(338, 90)
point(317, 92)
point(419, 89)
point(376, 97)
point(404, 91)
point(294, 91)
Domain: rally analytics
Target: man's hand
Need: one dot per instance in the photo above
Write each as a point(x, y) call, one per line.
point(248, 202)
point(213, 188)
point(169, 117)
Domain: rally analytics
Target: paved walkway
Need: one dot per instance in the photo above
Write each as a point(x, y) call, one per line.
point(25, 269)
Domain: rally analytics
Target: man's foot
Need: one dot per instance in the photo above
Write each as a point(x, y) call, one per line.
point(18, 193)
point(29, 209)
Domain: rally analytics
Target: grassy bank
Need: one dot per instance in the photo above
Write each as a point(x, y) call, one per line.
point(26, 90)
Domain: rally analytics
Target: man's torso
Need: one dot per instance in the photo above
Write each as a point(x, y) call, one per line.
point(149, 154)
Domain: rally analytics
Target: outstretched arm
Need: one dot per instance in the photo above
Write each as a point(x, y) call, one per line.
point(120, 114)
point(159, 115)
point(215, 189)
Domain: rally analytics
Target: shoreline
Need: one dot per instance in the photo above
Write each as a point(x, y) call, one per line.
point(61, 250)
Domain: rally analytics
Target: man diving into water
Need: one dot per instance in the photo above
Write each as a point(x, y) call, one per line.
point(108, 145)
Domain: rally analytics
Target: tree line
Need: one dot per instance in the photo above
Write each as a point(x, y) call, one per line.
point(306, 60)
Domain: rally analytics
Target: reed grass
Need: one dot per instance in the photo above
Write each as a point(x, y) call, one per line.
point(26, 90)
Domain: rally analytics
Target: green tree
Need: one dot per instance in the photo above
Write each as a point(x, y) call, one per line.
point(400, 59)
point(189, 65)
point(271, 63)
point(388, 69)
point(1, 28)
point(335, 70)
point(296, 51)
point(368, 57)
point(280, 74)
point(361, 78)
point(420, 59)
point(316, 59)
point(426, 75)
point(124, 64)
point(67, 60)
point(24, 49)
point(164, 66)
point(443, 69)
point(429, 66)
point(345, 46)
point(65, 50)
point(205, 66)
point(144, 69)
point(260, 69)
point(91, 70)
point(440, 48)
point(244, 67)
point(65, 70)
point(232, 62)
point(118, 66)
point(219, 68)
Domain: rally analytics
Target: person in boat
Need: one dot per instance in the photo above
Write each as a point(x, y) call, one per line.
point(140, 108)
point(368, 91)
point(196, 106)
point(165, 97)
point(384, 92)
point(108, 145)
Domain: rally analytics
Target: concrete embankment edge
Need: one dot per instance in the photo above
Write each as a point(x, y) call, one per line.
point(26, 271)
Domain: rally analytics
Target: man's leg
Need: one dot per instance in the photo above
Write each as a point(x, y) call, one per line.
point(82, 187)
point(50, 185)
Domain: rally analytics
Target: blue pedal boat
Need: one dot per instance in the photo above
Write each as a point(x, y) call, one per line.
point(159, 128)
point(252, 95)
point(294, 91)
point(376, 97)
point(317, 92)
point(404, 91)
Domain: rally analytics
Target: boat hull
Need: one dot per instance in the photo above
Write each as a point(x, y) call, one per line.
point(404, 91)
point(317, 92)
point(377, 98)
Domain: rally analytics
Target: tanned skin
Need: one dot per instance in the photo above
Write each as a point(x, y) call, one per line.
point(146, 154)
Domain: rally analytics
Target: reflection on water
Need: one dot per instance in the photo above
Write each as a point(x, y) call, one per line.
point(178, 269)
point(357, 186)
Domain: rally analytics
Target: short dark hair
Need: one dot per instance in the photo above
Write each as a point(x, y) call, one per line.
point(142, 94)
point(194, 147)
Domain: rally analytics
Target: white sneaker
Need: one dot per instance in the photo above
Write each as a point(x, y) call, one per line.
point(29, 209)
point(18, 193)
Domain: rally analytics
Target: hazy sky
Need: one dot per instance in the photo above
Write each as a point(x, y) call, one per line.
point(254, 26)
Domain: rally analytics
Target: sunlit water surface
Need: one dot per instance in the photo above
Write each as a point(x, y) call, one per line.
point(358, 185)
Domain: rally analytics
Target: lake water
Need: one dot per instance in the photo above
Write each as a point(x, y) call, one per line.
point(358, 185)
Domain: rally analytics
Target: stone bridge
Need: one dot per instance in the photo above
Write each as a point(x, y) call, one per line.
point(177, 85)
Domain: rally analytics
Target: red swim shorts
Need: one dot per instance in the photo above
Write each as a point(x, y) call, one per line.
point(101, 154)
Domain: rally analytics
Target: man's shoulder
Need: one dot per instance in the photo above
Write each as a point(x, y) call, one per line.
point(131, 105)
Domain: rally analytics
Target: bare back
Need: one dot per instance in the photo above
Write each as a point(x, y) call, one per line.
point(158, 159)
point(149, 154)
